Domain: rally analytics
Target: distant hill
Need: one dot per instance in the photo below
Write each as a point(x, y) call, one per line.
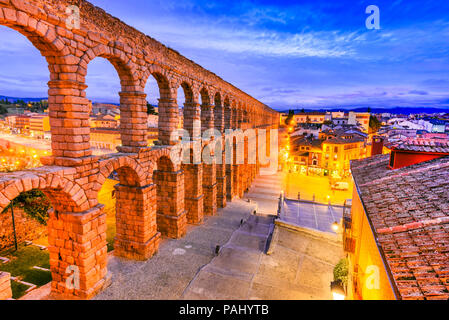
point(14, 99)
point(397, 110)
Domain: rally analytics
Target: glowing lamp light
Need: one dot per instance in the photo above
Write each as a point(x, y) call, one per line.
point(335, 226)
point(337, 290)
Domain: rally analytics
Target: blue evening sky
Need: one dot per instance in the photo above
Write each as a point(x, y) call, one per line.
point(287, 54)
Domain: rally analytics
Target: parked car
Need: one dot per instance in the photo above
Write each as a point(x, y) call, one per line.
point(343, 186)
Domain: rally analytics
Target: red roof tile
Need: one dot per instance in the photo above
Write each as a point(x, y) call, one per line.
point(409, 209)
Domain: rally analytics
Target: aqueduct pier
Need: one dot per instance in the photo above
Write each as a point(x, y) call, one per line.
point(155, 195)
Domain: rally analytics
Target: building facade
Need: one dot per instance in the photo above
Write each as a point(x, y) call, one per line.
point(397, 234)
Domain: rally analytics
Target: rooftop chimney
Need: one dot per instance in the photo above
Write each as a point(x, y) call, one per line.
point(378, 145)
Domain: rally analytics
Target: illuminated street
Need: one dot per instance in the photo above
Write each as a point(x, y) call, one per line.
point(314, 188)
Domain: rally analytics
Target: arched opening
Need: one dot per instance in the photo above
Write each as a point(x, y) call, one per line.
point(23, 100)
point(25, 139)
point(44, 207)
point(107, 196)
point(207, 112)
point(23, 223)
point(127, 209)
point(103, 88)
point(171, 216)
point(167, 107)
point(152, 100)
point(185, 104)
point(191, 115)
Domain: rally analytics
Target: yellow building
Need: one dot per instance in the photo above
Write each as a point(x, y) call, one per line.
point(110, 138)
point(396, 236)
point(368, 276)
point(339, 151)
point(104, 121)
point(39, 125)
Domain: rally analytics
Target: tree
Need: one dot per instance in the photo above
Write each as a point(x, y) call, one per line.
point(150, 109)
point(308, 121)
point(34, 203)
point(374, 124)
point(3, 110)
point(290, 116)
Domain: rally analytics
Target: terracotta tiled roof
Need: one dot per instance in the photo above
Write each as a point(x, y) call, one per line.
point(421, 145)
point(409, 210)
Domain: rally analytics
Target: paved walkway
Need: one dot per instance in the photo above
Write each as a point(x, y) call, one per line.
point(265, 191)
point(300, 266)
point(166, 275)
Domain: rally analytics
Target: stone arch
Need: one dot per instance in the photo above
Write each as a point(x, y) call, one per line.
point(41, 34)
point(63, 194)
point(205, 96)
point(130, 173)
point(188, 92)
point(226, 101)
point(217, 99)
point(207, 111)
point(124, 66)
point(163, 79)
point(133, 214)
point(168, 106)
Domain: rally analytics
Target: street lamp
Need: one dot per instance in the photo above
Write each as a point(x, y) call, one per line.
point(338, 291)
point(335, 227)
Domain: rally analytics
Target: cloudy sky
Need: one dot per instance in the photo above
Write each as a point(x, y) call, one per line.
point(287, 54)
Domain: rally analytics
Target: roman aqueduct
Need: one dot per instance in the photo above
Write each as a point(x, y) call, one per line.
point(155, 196)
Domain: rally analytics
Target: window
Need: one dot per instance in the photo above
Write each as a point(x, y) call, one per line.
point(335, 149)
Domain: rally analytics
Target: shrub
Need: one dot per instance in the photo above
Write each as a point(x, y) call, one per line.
point(341, 271)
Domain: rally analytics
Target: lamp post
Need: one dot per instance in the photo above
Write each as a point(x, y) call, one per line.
point(14, 225)
point(336, 227)
point(338, 291)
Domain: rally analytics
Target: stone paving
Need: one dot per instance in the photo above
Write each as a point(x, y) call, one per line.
point(169, 272)
point(299, 268)
point(265, 191)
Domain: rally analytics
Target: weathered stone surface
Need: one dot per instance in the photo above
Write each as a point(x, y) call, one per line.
point(155, 196)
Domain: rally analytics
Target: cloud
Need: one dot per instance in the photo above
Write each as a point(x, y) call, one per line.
point(418, 92)
point(259, 42)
